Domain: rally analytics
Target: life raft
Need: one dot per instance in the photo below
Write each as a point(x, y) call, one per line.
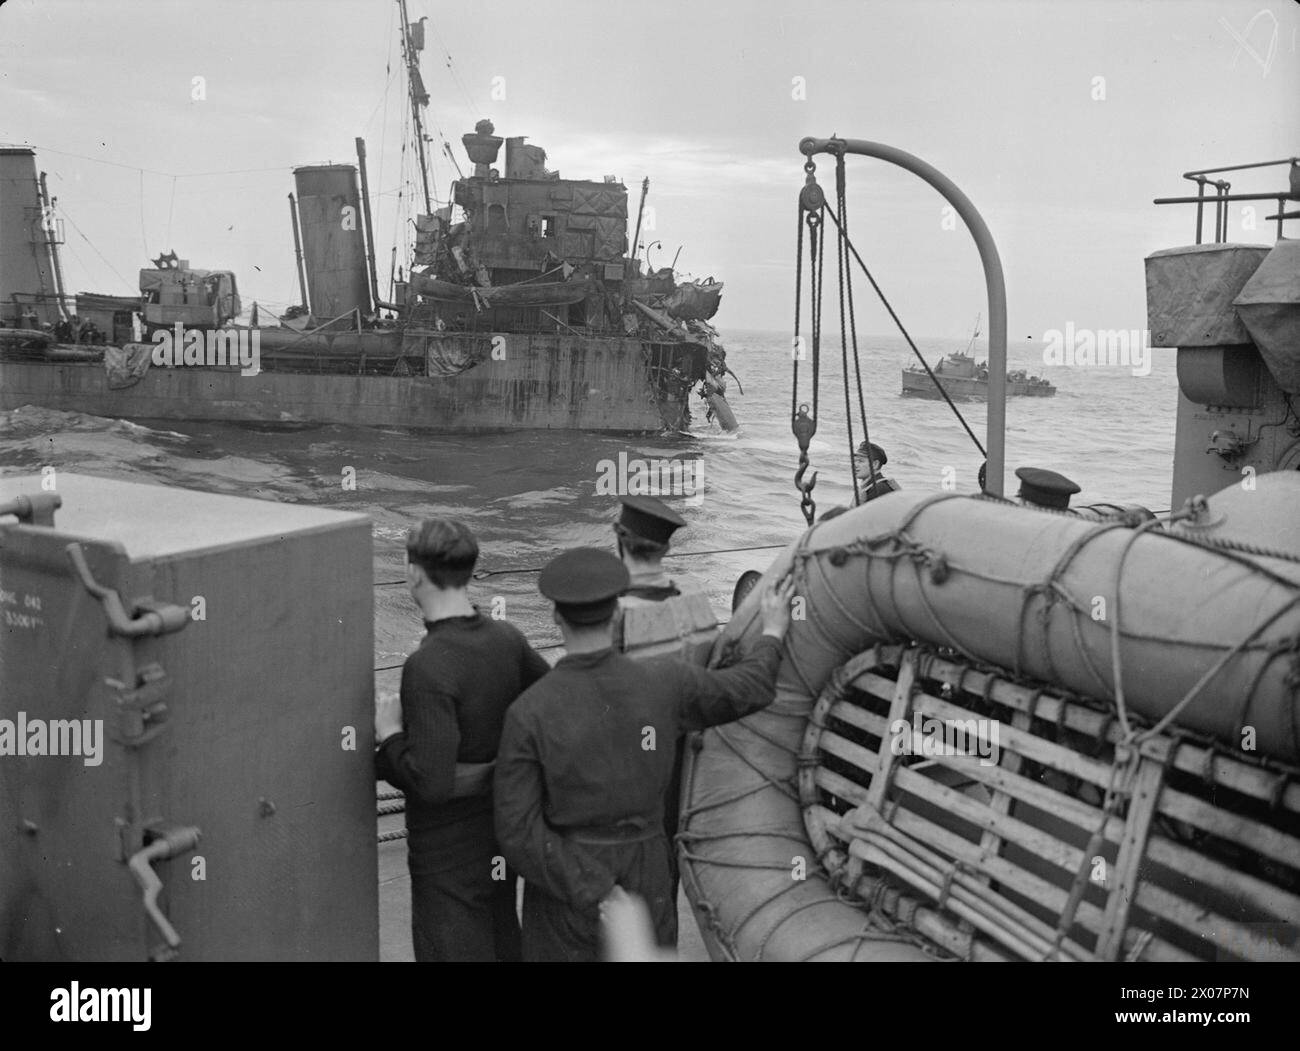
point(1156, 820)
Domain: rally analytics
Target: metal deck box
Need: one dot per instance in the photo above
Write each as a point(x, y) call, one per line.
point(230, 811)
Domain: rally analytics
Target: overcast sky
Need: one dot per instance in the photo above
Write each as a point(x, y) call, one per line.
point(1003, 97)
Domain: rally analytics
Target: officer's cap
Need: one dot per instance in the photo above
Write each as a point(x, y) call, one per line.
point(584, 584)
point(1045, 488)
point(877, 453)
point(649, 518)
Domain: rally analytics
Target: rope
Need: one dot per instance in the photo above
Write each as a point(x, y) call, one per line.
point(817, 243)
point(1218, 665)
point(798, 303)
point(857, 363)
point(1114, 792)
point(897, 321)
point(841, 267)
point(483, 574)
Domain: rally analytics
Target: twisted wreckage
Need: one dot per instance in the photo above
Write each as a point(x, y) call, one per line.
point(522, 307)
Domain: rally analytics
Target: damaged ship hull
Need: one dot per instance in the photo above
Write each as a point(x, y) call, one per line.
point(537, 381)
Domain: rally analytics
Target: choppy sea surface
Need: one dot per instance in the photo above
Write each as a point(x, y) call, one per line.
point(530, 495)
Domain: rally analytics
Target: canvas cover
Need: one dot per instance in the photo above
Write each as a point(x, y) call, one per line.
point(451, 355)
point(606, 200)
point(1190, 292)
point(125, 365)
point(1269, 306)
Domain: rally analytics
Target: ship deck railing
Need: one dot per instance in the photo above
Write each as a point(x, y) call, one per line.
point(1222, 197)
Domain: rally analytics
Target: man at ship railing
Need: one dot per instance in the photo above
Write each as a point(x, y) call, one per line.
point(437, 743)
point(658, 615)
point(868, 460)
point(587, 753)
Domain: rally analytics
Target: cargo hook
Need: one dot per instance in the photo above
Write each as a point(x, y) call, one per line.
point(804, 427)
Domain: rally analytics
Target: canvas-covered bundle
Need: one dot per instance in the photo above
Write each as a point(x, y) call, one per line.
point(1190, 294)
point(1269, 307)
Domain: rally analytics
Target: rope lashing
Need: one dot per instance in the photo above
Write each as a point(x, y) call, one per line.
point(1118, 786)
point(847, 319)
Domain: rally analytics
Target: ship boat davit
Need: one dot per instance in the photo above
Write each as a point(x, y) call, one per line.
point(1008, 733)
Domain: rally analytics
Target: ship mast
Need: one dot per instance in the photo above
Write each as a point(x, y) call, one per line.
point(412, 45)
point(975, 335)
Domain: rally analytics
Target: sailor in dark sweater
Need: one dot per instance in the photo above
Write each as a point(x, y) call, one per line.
point(437, 743)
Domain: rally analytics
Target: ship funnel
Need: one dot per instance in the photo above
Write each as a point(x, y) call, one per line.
point(333, 240)
point(28, 291)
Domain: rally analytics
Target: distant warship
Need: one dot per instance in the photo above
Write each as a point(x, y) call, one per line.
point(962, 377)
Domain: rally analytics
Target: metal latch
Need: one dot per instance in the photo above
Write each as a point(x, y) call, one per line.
point(142, 708)
point(150, 618)
point(166, 843)
point(35, 510)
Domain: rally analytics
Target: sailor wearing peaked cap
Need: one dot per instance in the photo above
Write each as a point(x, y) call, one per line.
point(867, 462)
point(659, 615)
point(876, 452)
point(648, 518)
point(584, 584)
point(587, 753)
point(643, 531)
point(1043, 488)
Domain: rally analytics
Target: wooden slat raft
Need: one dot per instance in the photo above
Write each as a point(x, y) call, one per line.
point(1067, 842)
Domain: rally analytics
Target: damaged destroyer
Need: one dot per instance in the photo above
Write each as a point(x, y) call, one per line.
point(523, 306)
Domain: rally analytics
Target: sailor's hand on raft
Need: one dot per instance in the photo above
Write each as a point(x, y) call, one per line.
point(774, 607)
point(388, 715)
